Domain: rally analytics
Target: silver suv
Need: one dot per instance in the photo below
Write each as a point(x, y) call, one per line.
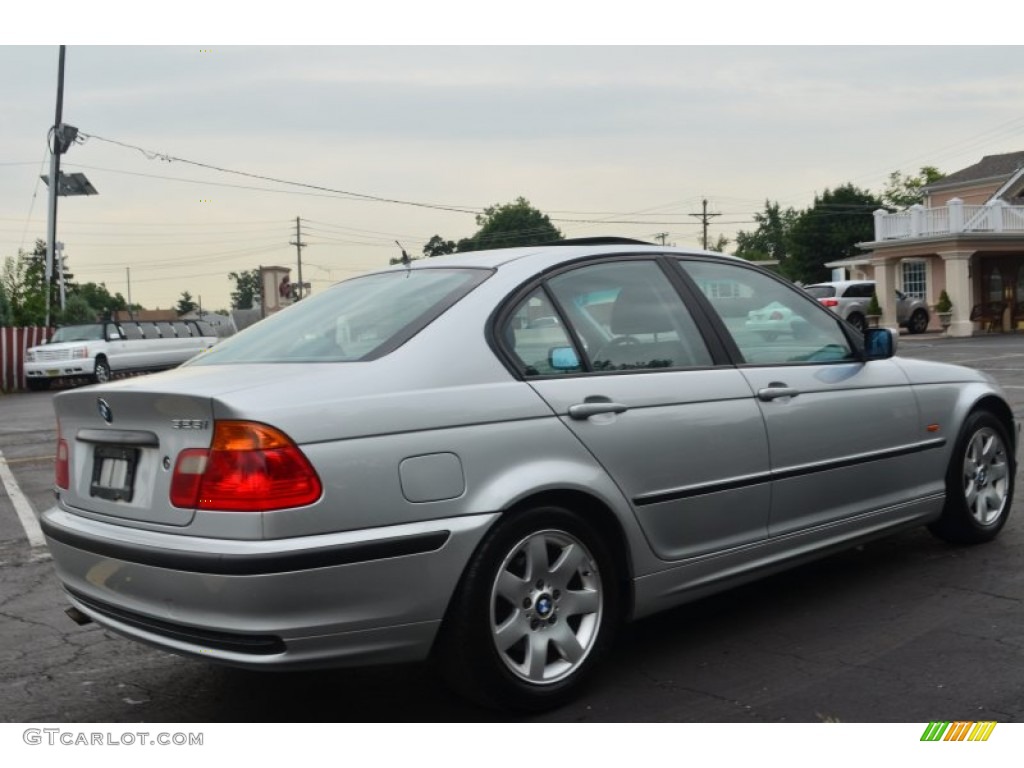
point(849, 299)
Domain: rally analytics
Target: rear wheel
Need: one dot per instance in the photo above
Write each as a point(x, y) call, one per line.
point(979, 483)
point(101, 373)
point(918, 322)
point(534, 613)
point(858, 321)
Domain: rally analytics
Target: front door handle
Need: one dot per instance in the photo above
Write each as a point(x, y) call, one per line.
point(594, 406)
point(775, 390)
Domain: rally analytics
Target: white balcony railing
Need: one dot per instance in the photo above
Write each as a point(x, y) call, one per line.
point(953, 218)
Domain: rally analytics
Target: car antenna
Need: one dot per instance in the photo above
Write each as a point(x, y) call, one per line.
point(406, 258)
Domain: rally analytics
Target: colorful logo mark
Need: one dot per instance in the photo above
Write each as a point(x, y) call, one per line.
point(958, 731)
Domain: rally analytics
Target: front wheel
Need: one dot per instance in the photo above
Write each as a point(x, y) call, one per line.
point(979, 483)
point(918, 322)
point(534, 613)
point(101, 373)
point(858, 321)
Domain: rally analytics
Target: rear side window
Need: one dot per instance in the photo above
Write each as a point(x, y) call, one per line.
point(860, 291)
point(360, 319)
point(131, 331)
point(626, 315)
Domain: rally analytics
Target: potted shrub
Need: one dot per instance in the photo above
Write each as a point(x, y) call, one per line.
point(944, 309)
point(873, 311)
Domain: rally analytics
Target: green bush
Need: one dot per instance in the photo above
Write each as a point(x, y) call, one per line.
point(944, 304)
point(874, 308)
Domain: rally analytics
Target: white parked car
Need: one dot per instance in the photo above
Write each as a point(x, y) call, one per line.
point(98, 350)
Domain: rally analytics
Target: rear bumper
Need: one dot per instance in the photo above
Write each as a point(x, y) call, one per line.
point(370, 596)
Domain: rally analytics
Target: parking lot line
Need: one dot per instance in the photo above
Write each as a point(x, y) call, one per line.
point(22, 506)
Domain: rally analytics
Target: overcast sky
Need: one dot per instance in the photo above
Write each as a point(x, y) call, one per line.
point(624, 140)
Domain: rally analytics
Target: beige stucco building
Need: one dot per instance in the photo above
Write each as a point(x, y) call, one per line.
point(967, 238)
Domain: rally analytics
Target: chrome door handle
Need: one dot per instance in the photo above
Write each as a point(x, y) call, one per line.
point(583, 411)
point(775, 391)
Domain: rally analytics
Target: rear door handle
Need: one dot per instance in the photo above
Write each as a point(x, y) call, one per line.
point(775, 390)
point(594, 406)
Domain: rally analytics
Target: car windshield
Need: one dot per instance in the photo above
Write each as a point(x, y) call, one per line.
point(359, 319)
point(821, 291)
point(92, 332)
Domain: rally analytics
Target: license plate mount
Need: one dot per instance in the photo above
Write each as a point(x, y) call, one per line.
point(113, 472)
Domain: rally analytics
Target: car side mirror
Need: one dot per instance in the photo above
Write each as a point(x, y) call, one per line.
point(563, 359)
point(879, 344)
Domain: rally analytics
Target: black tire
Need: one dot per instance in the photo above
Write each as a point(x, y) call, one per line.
point(534, 613)
point(918, 322)
point(979, 483)
point(101, 373)
point(38, 385)
point(858, 321)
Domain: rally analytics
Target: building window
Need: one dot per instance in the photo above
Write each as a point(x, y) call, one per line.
point(915, 281)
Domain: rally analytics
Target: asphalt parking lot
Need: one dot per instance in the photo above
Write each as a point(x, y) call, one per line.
point(902, 630)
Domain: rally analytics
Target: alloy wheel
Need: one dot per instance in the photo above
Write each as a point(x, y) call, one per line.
point(986, 476)
point(546, 607)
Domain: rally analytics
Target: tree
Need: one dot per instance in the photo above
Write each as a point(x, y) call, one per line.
point(185, 304)
point(904, 191)
point(6, 316)
point(24, 282)
point(771, 238)
point(510, 225)
point(100, 299)
point(438, 246)
point(828, 231)
point(719, 245)
point(77, 311)
point(247, 293)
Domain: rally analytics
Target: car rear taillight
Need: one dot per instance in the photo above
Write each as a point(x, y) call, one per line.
point(249, 467)
point(829, 302)
point(62, 467)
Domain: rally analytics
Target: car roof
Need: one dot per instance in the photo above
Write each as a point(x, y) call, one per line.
point(841, 283)
point(544, 256)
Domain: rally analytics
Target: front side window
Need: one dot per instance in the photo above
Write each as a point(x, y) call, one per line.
point(769, 321)
point(358, 319)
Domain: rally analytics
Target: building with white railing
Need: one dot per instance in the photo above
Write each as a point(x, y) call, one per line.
point(967, 239)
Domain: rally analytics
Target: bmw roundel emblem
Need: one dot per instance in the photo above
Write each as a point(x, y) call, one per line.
point(104, 408)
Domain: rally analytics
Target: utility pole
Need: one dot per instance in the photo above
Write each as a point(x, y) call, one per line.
point(60, 273)
point(299, 245)
point(56, 148)
point(131, 312)
point(704, 216)
point(661, 236)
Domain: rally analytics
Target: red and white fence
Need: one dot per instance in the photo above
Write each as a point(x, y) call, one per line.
point(13, 343)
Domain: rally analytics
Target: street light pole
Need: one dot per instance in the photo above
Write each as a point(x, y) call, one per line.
point(55, 151)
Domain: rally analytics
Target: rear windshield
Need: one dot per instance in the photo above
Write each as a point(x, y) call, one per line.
point(359, 319)
point(821, 291)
